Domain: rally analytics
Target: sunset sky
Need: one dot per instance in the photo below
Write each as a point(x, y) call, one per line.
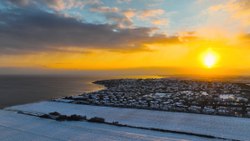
point(198, 36)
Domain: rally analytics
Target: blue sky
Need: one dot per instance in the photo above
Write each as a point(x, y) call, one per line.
point(170, 16)
point(177, 14)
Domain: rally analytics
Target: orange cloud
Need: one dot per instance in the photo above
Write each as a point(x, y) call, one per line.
point(237, 9)
point(150, 13)
point(129, 13)
point(160, 22)
point(105, 9)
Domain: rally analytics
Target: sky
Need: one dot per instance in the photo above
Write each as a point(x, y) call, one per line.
point(90, 35)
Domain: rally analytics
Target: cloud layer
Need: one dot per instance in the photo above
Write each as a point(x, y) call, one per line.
point(30, 29)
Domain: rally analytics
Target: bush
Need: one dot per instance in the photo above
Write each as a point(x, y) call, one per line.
point(76, 118)
point(61, 118)
point(68, 97)
point(45, 116)
point(55, 114)
point(97, 119)
point(115, 123)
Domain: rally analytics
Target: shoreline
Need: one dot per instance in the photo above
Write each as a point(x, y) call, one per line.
point(111, 84)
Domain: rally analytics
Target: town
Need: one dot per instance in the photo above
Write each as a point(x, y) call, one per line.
point(192, 96)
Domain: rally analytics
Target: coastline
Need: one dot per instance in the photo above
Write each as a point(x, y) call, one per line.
point(114, 87)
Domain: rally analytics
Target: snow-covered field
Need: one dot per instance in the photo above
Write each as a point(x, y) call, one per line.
point(219, 126)
point(19, 127)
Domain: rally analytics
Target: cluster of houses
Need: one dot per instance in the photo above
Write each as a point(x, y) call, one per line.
point(217, 98)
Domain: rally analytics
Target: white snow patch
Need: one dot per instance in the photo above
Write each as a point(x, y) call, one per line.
point(18, 127)
point(204, 93)
point(162, 94)
point(227, 96)
point(220, 126)
point(63, 100)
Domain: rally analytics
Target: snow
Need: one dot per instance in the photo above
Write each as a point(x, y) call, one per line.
point(227, 96)
point(63, 100)
point(204, 93)
point(219, 126)
point(15, 127)
point(160, 94)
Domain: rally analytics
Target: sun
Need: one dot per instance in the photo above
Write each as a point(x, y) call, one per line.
point(210, 59)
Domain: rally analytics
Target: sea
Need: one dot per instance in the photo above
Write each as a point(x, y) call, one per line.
point(15, 90)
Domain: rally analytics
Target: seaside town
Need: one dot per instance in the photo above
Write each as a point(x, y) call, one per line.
point(192, 96)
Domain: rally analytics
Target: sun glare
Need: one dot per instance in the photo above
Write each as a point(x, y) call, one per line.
point(210, 59)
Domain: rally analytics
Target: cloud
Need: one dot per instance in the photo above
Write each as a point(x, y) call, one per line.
point(56, 5)
point(19, 2)
point(153, 16)
point(104, 9)
point(125, 18)
point(160, 22)
point(113, 15)
point(150, 13)
point(222, 19)
point(129, 13)
point(25, 30)
point(123, 1)
point(245, 38)
point(237, 10)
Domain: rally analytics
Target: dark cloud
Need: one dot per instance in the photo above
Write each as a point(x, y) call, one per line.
point(55, 5)
point(18, 2)
point(245, 37)
point(28, 3)
point(28, 30)
point(245, 4)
